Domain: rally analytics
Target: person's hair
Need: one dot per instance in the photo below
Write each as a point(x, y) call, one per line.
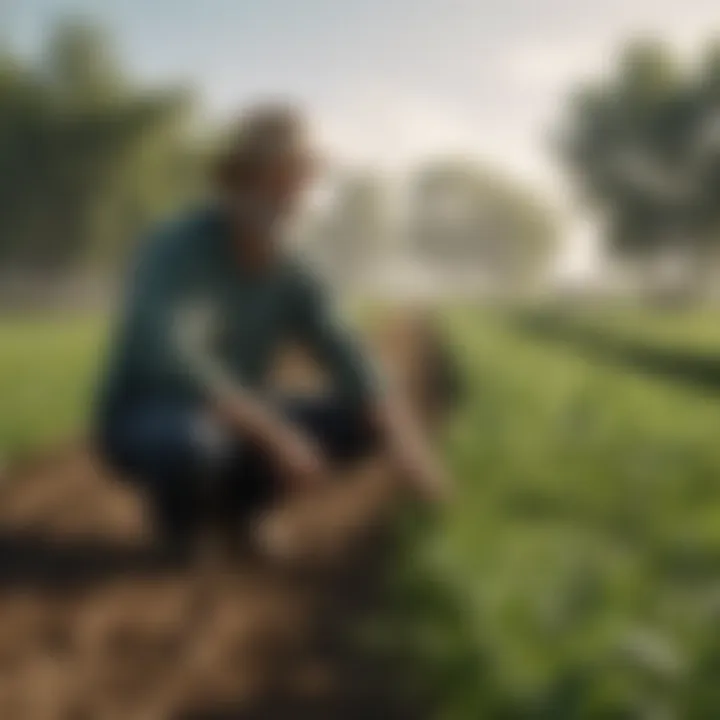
point(263, 133)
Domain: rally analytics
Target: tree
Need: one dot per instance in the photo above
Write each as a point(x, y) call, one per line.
point(464, 215)
point(353, 229)
point(644, 148)
point(82, 153)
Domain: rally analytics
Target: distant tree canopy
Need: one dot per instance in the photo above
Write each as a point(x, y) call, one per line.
point(463, 214)
point(449, 215)
point(85, 156)
point(353, 230)
point(88, 157)
point(644, 147)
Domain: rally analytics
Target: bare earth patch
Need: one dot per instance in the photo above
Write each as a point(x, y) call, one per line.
point(96, 626)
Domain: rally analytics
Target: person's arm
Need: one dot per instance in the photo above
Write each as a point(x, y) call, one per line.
point(358, 381)
point(409, 449)
point(297, 457)
point(174, 330)
point(236, 406)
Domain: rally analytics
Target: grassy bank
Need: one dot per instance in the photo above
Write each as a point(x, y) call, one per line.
point(582, 553)
point(48, 369)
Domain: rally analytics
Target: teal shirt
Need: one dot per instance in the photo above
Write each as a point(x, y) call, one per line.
point(193, 320)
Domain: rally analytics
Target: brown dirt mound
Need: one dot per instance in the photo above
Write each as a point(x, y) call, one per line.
point(95, 626)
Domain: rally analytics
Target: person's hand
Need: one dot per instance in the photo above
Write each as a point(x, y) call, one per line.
point(422, 471)
point(299, 460)
point(410, 450)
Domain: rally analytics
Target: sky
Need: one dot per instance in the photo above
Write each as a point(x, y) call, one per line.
point(386, 81)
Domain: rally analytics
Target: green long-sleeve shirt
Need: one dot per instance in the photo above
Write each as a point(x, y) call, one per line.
point(194, 322)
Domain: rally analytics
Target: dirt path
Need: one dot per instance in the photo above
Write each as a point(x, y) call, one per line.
point(94, 626)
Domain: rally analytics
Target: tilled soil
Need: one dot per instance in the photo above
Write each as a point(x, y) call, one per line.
point(96, 625)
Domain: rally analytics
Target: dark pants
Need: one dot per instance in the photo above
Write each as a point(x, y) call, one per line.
point(188, 483)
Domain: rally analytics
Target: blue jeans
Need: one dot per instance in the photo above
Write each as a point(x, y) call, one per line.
point(157, 447)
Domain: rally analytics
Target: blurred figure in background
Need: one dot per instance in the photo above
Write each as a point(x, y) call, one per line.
point(185, 409)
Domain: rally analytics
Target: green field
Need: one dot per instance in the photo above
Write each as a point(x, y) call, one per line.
point(577, 572)
point(577, 575)
point(48, 369)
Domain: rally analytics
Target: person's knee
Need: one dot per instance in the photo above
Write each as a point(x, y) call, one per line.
point(155, 442)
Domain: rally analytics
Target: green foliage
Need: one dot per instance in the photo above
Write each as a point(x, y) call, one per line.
point(85, 157)
point(644, 147)
point(463, 213)
point(352, 232)
point(47, 375)
point(575, 575)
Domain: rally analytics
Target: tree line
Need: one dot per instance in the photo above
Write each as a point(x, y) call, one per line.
point(642, 145)
point(89, 156)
